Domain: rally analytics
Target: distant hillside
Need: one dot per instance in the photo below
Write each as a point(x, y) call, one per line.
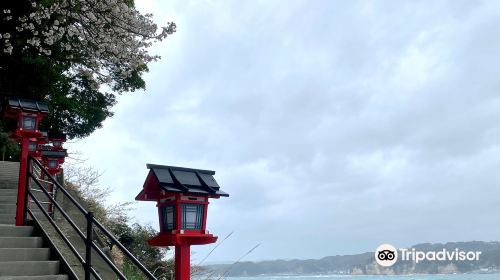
point(365, 263)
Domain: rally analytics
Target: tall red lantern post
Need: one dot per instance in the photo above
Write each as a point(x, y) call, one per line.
point(52, 159)
point(182, 199)
point(29, 114)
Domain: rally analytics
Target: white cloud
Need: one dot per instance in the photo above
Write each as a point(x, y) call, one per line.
point(343, 124)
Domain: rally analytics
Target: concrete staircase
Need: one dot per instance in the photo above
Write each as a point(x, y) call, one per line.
point(22, 253)
point(9, 173)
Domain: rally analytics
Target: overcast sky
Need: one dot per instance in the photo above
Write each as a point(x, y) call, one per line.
point(335, 126)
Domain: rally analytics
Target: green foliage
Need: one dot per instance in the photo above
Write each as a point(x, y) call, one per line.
point(74, 56)
point(9, 149)
point(84, 181)
point(131, 272)
point(135, 238)
point(133, 82)
point(78, 111)
point(76, 106)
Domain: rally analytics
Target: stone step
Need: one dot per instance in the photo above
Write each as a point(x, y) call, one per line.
point(8, 199)
point(7, 219)
point(21, 255)
point(8, 192)
point(8, 211)
point(9, 174)
point(9, 180)
point(29, 268)
point(14, 231)
point(9, 165)
point(7, 205)
point(41, 277)
point(21, 242)
point(8, 208)
point(40, 196)
point(24, 254)
point(8, 184)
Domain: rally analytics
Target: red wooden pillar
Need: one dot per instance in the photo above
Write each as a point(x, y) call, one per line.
point(182, 262)
point(21, 189)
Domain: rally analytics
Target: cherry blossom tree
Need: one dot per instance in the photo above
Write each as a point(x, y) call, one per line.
point(76, 54)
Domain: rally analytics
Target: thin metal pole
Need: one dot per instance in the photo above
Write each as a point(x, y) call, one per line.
point(211, 251)
point(50, 208)
point(88, 245)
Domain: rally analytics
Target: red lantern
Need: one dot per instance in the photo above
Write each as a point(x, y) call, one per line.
point(52, 159)
point(28, 114)
point(182, 199)
point(57, 140)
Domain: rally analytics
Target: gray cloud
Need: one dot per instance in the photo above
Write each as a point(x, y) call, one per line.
point(335, 126)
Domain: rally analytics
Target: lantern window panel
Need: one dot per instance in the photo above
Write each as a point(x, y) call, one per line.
point(168, 217)
point(53, 163)
point(29, 122)
point(32, 146)
point(192, 216)
point(56, 143)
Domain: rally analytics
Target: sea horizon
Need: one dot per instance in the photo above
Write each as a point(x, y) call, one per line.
point(463, 276)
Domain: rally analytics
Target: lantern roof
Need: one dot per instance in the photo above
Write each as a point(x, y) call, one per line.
point(173, 179)
point(48, 152)
point(27, 105)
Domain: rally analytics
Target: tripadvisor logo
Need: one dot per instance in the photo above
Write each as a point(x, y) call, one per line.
point(387, 255)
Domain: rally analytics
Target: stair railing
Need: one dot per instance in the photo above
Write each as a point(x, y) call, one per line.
point(34, 166)
point(52, 191)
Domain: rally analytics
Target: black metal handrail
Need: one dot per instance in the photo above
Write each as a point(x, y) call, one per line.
point(91, 224)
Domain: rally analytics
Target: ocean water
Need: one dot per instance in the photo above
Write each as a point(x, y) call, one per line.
point(377, 277)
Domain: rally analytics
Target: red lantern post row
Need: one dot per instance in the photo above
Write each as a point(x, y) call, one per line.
point(28, 114)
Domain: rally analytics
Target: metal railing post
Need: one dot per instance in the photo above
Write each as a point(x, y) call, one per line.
point(88, 245)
